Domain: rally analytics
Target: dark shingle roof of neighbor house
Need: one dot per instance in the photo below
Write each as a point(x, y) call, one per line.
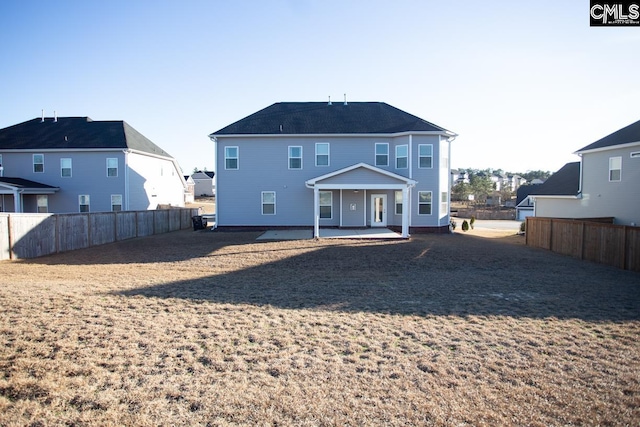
point(625, 135)
point(23, 183)
point(75, 133)
point(565, 182)
point(324, 118)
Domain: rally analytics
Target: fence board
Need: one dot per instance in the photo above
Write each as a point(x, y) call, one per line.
point(5, 252)
point(32, 236)
point(73, 232)
point(145, 223)
point(103, 228)
point(161, 221)
point(126, 225)
point(614, 245)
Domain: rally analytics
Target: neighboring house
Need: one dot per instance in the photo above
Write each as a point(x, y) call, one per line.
point(605, 183)
point(524, 203)
point(315, 164)
point(203, 183)
point(75, 164)
point(459, 176)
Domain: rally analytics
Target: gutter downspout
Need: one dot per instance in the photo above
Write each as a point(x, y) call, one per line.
point(215, 180)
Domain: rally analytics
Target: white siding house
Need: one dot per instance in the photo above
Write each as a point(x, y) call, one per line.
point(314, 164)
point(75, 164)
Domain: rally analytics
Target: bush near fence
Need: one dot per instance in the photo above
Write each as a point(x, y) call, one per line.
point(587, 239)
point(30, 235)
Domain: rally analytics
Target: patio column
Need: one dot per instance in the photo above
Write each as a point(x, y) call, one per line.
point(405, 212)
point(17, 201)
point(316, 212)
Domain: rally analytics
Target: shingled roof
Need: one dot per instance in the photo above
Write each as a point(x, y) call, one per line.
point(565, 182)
point(75, 133)
point(324, 118)
point(626, 135)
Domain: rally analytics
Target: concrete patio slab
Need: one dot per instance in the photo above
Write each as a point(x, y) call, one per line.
point(331, 233)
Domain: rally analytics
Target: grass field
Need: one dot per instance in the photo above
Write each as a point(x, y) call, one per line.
point(202, 328)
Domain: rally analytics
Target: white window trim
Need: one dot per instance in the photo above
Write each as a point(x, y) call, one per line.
point(262, 202)
point(88, 204)
point(112, 204)
point(237, 158)
point(424, 203)
point(116, 168)
point(34, 162)
point(330, 204)
point(395, 195)
point(290, 157)
point(419, 156)
point(70, 167)
point(375, 153)
point(402, 157)
point(328, 154)
point(611, 169)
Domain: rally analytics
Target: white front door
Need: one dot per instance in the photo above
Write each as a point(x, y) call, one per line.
point(378, 210)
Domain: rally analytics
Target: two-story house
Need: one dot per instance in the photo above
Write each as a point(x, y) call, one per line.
point(75, 164)
point(318, 164)
point(605, 183)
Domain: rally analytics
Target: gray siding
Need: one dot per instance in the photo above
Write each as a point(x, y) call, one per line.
point(263, 166)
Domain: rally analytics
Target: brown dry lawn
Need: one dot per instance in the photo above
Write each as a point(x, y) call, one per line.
point(212, 328)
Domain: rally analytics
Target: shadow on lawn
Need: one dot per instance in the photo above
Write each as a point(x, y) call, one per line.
point(424, 276)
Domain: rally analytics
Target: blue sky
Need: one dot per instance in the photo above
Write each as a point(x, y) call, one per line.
point(524, 84)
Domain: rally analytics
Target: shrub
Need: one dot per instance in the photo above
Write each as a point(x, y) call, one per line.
point(465, 225)
point(523, 227)
point(472, 221)
point(453, 225)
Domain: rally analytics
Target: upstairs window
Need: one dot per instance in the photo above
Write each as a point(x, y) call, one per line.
point(231, 158)
point(425, 156)
point(268, 203)
point(0, 160)
point(615, 168)
point(382, 154)
point(83, 202)
point(116, 202)
point(444, 206)
point(424, 202)
point(38, 163)
point(65, 168)
point(295, 157)
point(402, 157)
point(322, 154)
point(112, 167)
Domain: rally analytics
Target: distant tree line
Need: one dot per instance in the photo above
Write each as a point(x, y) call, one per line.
point(481, 186)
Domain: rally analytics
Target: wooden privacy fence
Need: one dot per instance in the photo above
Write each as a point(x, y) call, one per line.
point(31, 235)
point(615, 245)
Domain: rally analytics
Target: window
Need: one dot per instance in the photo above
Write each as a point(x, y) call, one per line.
point(112, 167)
point(116, 202)
point(322, 154)
point(231, 158)
point(424, 202)
point(43, 203)
point(443, 203)
point(65, 168)
point(83, 202)
point(268, 203)
point(326, 198)
point(425, 156)
point(398, 196)
point(382, 154)
point(1, 160)
point(615, 168)
point(402, 156)
point(38, 163)
point(295, 157)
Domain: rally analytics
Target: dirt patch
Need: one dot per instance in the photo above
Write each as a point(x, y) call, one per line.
point(211, 328)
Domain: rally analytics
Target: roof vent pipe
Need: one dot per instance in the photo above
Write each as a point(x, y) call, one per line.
point(55, 116)
point(329, 100)
point(42, 121)
point(345, 99)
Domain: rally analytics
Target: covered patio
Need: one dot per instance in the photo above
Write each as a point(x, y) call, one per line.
point(13, 190)
point(363, 191)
